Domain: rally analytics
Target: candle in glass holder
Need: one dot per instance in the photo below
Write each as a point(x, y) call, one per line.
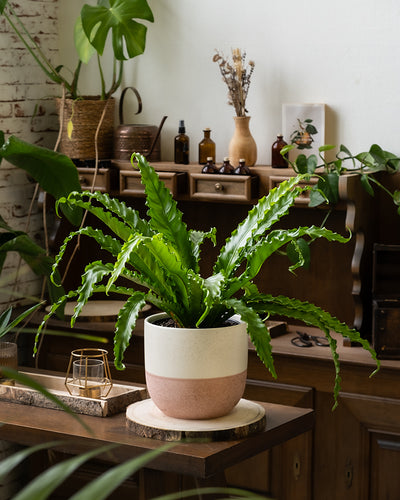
point(88, 377)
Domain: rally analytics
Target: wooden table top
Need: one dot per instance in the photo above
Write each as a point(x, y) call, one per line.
point(28, 425)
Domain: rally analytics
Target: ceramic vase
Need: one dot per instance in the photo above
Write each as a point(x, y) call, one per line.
point(242, 144)
point(197, 373)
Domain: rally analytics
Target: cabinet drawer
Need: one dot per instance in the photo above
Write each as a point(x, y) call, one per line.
point(130, 183)
point(304, 198)
point(101, 182)
point(212, 187)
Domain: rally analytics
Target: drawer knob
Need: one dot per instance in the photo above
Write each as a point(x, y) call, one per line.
point(219, 187)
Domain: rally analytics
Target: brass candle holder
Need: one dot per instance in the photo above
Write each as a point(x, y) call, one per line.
point(88, 373)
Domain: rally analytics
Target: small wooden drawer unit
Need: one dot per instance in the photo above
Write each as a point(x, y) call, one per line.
point(131, 185)
point(218, 187)
point(304, 198)
point(101, 179)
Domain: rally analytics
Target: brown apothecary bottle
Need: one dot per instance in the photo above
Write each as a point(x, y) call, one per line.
point(210, 167)
point(226, 167)
point(181, 145)
point(206, 147)
point(277, 160)
point(242, 168)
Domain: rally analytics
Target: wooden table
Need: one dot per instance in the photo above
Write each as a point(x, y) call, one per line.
point(204, 461)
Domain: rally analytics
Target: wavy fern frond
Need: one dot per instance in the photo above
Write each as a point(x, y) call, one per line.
point(198, 237)
point(314, 316)
point(276, 239)
point(115, 214)
point(260, 218)
point(165, 217)
point(94, 273)
point(105, 241)
point(125, 325)
point(257, 330)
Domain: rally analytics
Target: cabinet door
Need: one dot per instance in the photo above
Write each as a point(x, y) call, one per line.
point(379, 419)
point(285, 471)
point(357, 448)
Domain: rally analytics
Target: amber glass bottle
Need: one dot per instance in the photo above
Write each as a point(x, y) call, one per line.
point(277, 160)
point(181, 145)
point(242, 168)
point(206, 147)
point(210, 167)
point(226, 167)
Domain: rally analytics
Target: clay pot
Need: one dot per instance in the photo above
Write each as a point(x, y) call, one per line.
point(242, 144)
point(197, 373)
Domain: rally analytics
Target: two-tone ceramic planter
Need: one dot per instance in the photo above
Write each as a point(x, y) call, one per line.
point(195, 373)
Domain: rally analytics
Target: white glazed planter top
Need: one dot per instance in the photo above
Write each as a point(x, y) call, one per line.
point(195, 353)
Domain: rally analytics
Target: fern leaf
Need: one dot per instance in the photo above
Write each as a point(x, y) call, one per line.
point(115, 214)
point(268, 211)
point(257, 255)
point(257, 331)
point(94, 273)
point(314, 316)
point(125, 325)
point(197, 238)
point(105, 241)
point(166, 218)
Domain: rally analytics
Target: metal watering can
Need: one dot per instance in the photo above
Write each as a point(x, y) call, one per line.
point(136, 138)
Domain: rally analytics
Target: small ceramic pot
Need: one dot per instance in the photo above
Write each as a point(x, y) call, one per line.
point(197, 373)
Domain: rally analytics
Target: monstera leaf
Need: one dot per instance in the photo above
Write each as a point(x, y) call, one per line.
point(117, 16)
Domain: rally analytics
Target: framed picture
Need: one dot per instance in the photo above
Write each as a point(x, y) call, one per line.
point(304, 127)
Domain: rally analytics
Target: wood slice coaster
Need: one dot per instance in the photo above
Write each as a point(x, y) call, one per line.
point(146, 420)
point(98, 310)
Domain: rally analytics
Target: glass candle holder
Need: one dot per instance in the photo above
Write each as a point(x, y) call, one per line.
point(88, 377)
point(88, 374)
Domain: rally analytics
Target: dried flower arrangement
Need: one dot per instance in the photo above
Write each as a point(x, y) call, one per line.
point(237, 77)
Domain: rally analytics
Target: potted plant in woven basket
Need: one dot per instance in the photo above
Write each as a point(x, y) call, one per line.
point(85, 120)
point(160, 257)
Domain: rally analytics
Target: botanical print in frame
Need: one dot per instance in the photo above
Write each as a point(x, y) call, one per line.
point(304, 127)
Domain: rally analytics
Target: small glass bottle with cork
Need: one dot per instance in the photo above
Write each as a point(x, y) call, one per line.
point(226, 167)
point(242, 168)
point(206, 147)
point(210, 167)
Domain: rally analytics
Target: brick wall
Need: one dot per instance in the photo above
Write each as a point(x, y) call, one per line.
point(27, 110)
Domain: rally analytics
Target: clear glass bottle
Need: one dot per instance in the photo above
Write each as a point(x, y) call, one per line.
point(277, 160)
point(210, 167)
point(242, 168)
point(181, 145)
point(206, 147)
point(226, 167)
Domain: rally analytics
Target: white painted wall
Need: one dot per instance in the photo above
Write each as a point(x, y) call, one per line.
point(343, 53)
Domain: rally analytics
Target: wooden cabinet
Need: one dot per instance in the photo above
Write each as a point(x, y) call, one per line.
point(353, 452)
point(355, 449)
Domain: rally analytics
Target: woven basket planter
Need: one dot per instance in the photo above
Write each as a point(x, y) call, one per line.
point(85, 115)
